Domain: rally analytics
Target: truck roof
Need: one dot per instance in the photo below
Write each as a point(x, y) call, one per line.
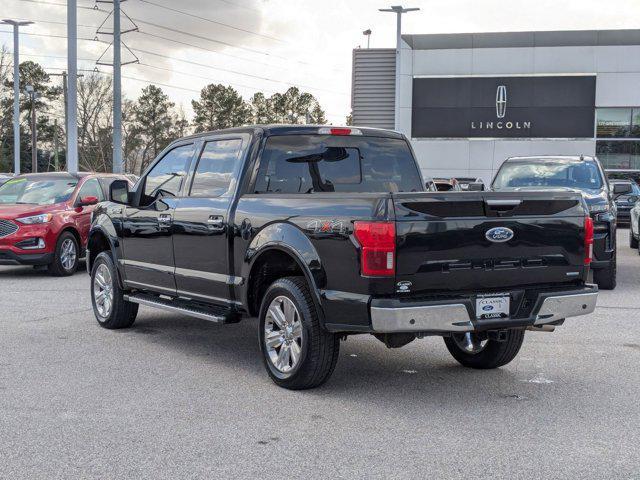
point(560, 158)
point(283, 129)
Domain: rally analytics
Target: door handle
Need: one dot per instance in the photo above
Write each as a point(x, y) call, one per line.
point(215, 223)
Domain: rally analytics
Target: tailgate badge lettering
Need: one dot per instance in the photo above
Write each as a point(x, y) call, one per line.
point(499, 234)
point(404, 286)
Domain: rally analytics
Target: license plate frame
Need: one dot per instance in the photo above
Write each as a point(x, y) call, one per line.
point(493, 306)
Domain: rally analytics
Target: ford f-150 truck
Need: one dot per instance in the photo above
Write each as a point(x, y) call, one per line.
point(326, 232)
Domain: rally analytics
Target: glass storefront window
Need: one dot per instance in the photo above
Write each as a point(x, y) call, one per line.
point(635, 123)
point(616, 154)
point(614, 122)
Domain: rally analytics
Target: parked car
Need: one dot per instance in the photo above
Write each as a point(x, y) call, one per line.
point(5, 177)
point(625, 194)
point(325, 232)
point(447, 185)
point(45, 218)
point(583, 174)
point(623, 174)
point(473, 184)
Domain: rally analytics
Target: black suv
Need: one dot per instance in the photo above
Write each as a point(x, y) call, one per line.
point(581, 173)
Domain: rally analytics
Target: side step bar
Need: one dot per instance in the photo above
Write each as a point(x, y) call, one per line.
point(211, 314)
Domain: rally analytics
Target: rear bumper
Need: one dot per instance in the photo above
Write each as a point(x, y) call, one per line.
point(9, 257)
point(459, 316)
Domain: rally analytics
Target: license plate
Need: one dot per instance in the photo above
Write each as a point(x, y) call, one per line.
point(492, 306)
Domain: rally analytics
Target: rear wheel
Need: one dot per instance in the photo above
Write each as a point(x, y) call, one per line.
point(65, 258)
point(109, 306)
point(298, 353)
point(472, 351)
point(633, 241)
point(606, 277)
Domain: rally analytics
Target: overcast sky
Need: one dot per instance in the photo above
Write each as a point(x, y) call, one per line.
point(279, 43)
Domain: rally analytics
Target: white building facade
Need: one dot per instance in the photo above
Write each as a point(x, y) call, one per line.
point(469, 101)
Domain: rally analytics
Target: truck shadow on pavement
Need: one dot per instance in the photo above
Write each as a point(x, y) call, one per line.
point(366, 369)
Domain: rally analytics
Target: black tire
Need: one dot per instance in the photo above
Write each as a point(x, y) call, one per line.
point(319, 348)
point(494, 354)
point(633, 241)
point(57, 268)
point(122, 313)
point(605, 278)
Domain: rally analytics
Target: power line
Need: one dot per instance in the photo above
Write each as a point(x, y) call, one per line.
point(203, 65)
point(147, 82)
point(178, 42)
point(199, 17)
point(174, 30)
point(148, 65)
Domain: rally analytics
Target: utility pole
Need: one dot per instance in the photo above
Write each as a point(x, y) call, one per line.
point(117, 77)
point(72, 87)
point(56, 165)
point(65, 96)
point(117, 91)
point(16, 91)
point(398, 10)
point(29, 90)
point(367, 33)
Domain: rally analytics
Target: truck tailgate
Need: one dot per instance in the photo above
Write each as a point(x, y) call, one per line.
point(445, 240)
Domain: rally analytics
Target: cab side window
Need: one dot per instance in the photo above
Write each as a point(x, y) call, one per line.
point(91, 188)
point(166, 177)
point(214, 173)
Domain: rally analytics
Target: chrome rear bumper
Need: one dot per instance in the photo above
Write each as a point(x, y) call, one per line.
point(455, 317)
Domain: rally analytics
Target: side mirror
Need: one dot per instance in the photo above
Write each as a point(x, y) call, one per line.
point(475, 187)
point(621, 188)
point(119, 192)
point(87, 201)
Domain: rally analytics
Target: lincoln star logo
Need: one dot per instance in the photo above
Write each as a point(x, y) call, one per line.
point(501, 101)
point(499, 234)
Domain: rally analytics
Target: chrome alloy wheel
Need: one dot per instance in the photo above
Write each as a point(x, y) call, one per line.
point(68, 254)
point(103, 290)
point(283, 334)
point(469, 342)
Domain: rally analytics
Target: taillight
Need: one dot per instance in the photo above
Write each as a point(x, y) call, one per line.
point(588, 240)
point(377, 248)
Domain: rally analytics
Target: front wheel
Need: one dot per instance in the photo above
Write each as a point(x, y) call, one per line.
point(65, 258)
point(470, 350)
point(298, 353)
point(109, 306)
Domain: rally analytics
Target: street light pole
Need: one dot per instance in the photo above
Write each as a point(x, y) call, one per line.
point(16, 91)
point(367, 33)
point(398, 10)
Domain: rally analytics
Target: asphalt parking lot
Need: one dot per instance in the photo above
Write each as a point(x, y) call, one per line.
point(176, 397)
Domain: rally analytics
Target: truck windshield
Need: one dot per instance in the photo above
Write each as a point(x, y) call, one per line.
point(325, 163)
point(45, 191)
point(579, 175)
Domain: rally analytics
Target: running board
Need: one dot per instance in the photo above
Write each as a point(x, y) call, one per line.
point(209, 313)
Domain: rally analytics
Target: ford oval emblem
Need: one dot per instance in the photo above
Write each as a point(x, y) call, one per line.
point(499, 234)
point(487, 308)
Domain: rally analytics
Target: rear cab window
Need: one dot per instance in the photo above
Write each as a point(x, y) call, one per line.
point(292, 164)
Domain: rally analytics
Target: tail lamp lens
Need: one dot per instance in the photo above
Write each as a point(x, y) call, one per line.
point(378, 248)
point(588, 240)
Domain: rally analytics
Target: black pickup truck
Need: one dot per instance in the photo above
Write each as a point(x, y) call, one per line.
point(326, 232)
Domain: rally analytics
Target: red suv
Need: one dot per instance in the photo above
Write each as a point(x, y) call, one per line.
point(45, 218)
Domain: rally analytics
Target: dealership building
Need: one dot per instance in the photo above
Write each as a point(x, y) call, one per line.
point(469, 101)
